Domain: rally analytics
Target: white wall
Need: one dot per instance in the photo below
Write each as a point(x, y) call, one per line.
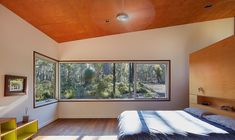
point(173, 43)
point(18, 40)
point(211, 32)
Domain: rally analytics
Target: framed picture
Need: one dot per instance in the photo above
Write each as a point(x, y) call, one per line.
point(15, 85)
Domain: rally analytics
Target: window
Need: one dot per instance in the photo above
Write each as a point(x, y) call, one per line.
point(86, 81)
point(115, 80)
point(151, 80)
point(44, 80)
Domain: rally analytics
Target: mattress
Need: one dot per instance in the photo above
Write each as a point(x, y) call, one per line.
point(169, 125)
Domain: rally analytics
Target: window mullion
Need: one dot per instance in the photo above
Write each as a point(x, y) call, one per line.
point(114, 79)
point(134, 79)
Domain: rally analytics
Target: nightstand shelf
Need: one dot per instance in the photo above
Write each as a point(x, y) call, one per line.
point(25, 136)
point(6, 131)
point(26, 130)
point(10, 130)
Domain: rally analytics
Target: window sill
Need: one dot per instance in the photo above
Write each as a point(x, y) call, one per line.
point(112, 100)
point(44, 103)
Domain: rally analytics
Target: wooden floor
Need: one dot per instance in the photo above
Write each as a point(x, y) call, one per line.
point(79, 129)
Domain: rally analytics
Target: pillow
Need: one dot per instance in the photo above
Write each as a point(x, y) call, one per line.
point(197, 112)
point(222, 120)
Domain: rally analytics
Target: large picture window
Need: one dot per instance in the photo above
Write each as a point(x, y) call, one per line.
point(140, 80)
point(44, 80)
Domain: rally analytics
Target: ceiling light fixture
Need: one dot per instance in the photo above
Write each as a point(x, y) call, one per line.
point(122, 17)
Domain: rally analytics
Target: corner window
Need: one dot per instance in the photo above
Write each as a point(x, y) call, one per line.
point(135, 80)
point(45, 86)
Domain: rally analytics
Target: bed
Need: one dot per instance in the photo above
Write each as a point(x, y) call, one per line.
point(169, 125)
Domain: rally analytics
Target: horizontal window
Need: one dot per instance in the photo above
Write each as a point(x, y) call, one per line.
point(44, 80)
point(115, 80)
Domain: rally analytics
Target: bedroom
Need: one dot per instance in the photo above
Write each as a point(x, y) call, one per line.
point(56, 32)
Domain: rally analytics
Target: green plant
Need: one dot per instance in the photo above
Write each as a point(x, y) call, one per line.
point(104, 87)
point(148, 95)
point(69, 94)
point(117, 94)
point(104, 94)
point(123, 88)
point(142, 90)
point(89, 74)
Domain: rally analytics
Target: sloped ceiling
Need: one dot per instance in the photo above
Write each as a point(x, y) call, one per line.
point(67, 20)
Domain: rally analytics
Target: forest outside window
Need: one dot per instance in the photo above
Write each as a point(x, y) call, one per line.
point(129, 80)
point(45, 86)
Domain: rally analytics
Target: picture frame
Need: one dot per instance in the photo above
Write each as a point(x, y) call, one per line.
point(15, 85)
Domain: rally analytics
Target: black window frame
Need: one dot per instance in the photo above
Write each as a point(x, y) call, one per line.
point(119, 100)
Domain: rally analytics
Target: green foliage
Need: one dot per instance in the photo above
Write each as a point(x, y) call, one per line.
point(69, 93)
point(123, 88)
point(89, 74)
point(148, 95)
point(104, 94)
point(158, 70)
point(141, 88)
point(95, 80)
point(44, 90)
point(45, 79)
point(118, 95)
point(104, 87)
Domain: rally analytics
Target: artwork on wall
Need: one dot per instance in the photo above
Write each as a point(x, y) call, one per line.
point(15, 85)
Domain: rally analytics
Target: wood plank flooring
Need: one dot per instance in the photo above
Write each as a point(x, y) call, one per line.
point(79, 129)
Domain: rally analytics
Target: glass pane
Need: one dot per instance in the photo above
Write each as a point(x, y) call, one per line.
point(86, 81)
point(151, 81)
point(113, 81)
point(123, 86)
point(45, 78)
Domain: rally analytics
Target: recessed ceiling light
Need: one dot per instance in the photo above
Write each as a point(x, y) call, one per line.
point(122, 17)
point(208, 5)
point(107, 20)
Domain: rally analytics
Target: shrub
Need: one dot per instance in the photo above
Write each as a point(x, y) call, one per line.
point(89, 74)
point(123, 88)
point(148, 95)
point(69, 94)
point(104, 87)
point(141, 88)
point(104, 94)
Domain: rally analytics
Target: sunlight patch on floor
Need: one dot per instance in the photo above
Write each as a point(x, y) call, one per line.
point(75, 138)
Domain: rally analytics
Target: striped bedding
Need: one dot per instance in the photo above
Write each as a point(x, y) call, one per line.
point(169, 125)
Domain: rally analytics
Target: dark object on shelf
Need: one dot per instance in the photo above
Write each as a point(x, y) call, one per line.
point(205, 103)
point(26, 116)
point(227, 108)
point(25, 119)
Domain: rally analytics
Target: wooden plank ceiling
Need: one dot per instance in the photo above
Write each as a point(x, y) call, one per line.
point(67, 20)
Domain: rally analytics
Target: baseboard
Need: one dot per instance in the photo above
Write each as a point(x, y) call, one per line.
point(74, 118)
point(46, 123)
point(87, 117)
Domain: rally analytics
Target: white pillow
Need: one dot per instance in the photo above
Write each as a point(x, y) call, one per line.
point(196, 111)
point(222, 120)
